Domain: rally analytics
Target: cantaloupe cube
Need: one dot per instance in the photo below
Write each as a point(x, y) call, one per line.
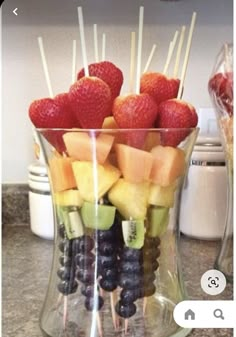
point(82, 146)
point(168, 165)
point(153, 139)
point(94, 180)
point(61, 173)
point(134, 164)
point(130, 199)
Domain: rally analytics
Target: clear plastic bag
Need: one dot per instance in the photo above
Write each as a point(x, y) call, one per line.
point(220, 88)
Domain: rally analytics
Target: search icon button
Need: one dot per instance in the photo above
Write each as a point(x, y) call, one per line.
point(218, 313)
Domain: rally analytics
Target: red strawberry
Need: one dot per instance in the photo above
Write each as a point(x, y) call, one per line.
point(107, 72)
point(90, 99)
point(159, 86)
point(175, 113)
point(135, 112)
point(63, 101)
point(221, 85)
point(47, 113)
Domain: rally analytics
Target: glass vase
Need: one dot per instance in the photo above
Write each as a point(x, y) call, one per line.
point(116, 268)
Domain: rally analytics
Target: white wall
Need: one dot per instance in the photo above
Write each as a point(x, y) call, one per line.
point(56, 21)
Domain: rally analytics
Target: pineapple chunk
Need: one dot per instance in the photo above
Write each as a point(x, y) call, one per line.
point(68, 198)
point(162, 195)
point(130, 199)
point(94, 180)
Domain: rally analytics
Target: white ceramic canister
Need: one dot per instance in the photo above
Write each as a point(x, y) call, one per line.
point(204, 195)
point(40, 202)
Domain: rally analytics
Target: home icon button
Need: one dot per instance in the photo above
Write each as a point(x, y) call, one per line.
point(189, 315)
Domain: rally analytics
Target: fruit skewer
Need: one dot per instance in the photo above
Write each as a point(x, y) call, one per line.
point(187, 53)
point(95, 41)
point(73, 70)
point(170, 52)
point(45, 66)
point(149, 60)
point(178, 53)
point(132, 62)
point(103, 46)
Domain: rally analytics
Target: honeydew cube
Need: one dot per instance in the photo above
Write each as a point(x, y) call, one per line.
point(158, 221)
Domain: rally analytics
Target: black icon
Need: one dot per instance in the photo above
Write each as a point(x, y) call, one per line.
point(189, 315)
point(218, 313)
point(213, 282)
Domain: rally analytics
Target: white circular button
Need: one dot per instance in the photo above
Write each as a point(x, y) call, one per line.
point(213, 282)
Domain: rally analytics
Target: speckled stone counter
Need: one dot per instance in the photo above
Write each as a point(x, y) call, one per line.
point(26, 266)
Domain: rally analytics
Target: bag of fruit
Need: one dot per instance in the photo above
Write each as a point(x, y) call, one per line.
point(220, 87)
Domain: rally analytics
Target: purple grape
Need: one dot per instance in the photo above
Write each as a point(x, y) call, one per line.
point(125, 310)
point(93, 303)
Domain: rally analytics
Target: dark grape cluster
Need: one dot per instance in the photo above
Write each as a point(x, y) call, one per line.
point(130, 279)
point(66, 272)
point(151, 252)
point(86, 271)
point(107, 259)
point(136, 275)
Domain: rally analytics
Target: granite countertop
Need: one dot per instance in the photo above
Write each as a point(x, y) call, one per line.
point(26, 266)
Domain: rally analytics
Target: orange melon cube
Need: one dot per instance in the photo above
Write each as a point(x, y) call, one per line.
point(61, 173)
point(152, 139)
point(81, 146)
point(134, 164)
point(168, 165)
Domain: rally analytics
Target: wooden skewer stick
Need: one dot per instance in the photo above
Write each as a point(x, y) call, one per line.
point(139, 55)
point(227, 58)
point(150, 58)
point(170, 52)
point(103, 46)
point(65, 311)
point(82, 38)
point(178, 54)
point(132, 62)
point(187, 52)
point(113, 312)
point(99, 324)
point(45, 66)
point(73, 75)
point(144, 305)
point(126, 325)
point(95, 40)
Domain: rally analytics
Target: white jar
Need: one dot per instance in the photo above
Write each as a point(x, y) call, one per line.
point(40, 202)
point(204, 195)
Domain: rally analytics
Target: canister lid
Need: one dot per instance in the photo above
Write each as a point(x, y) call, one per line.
point(38, 169)
point(209, 140)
